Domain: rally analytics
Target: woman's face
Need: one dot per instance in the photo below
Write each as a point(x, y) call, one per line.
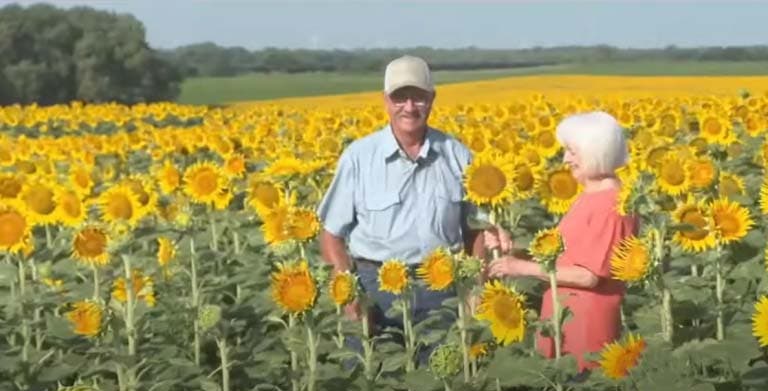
point(572, 158)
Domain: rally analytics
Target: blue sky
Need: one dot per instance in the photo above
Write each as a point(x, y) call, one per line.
point(351, 24)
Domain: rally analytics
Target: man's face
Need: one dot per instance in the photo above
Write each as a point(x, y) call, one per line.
point(409, 108)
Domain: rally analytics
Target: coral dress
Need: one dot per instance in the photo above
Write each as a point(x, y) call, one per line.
point(590, 230)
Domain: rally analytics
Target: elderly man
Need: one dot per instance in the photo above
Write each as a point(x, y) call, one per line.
point(397, 193)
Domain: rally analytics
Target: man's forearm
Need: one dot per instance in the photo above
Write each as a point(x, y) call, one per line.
point(334, 251)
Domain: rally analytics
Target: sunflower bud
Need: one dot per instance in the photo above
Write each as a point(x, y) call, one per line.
point(445, 361)
point(285, 249)
point(209, 316)
point(44, 270)
point(469, 267)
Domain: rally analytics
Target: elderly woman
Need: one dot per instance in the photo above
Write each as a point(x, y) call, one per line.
point(594, 148)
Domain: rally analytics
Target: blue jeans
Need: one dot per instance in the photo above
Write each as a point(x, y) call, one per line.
point(423, 302)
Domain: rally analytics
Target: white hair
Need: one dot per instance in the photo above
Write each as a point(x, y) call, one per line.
point(599, 140)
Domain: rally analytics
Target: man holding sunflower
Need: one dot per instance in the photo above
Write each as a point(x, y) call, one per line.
point(397, 194)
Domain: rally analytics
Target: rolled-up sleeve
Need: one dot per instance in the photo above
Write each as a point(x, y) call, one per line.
point(337, 208)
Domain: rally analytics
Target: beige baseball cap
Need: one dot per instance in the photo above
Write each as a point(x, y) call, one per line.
point(407, 71)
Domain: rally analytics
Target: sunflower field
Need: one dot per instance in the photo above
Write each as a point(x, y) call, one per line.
point(170, 247)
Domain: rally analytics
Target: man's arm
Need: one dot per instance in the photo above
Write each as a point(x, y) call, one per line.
point(334, 251)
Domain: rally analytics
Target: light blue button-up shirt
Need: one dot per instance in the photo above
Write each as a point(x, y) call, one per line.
point(389, 206)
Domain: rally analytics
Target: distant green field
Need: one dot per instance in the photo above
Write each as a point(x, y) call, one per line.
point(212, 90)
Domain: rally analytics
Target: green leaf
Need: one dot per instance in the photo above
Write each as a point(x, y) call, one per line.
point(421, 380)
point(55, 372)
point(756, 378)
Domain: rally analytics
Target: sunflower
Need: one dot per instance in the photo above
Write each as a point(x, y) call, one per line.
point(618, 359)
point(559, 190)
point(234, 166)
point(166, 251)
point(764, 196)
point(699, 237)
point(701, 172)
point(275, 225)
point(303, 224)
point(40, 199)
point(119, 204)
point(631, 260)
point(10, 185)
point(526, 179)
point(393, 276)
point(489, 179)
point(546, 142)
point(168, 177)
point(90, 246)
point(85, 318)
point(671, 175)
point(143, 288)
point(730, 185)
point(15, 229)
point(145, 194)
point(293, 287)
point(81, 179)
point(503, 308)
point(71, 210)
point(262, 195)
point(731, 220)
point(342, 288)
point(436, 270)
point(760, 321)
point(531, 156)
point(715, 129)
point(546, 245)
point(203, 182)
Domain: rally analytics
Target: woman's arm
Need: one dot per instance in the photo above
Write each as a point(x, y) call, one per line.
point(571, 276)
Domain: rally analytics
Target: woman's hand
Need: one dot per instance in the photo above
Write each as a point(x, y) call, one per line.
point(508, 267)
point(497, 237)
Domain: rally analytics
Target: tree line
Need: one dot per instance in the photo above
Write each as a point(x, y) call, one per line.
point(52, 55)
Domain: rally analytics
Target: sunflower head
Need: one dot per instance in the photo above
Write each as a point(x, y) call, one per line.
point(546, 245)
point(10, 185)
point(40, 199)
point(71, 209)
point(15, 229)
point(730, 185)
point(143, 288)
point(203, 182)
point(731, 220)
point(671, 175)
point(504, 308)
point(342, 288)
point(760, 321)
point(90, 246)
point(558, 190)
point(293, 288)
point(393, 276)
point(436, 270)
point(166, 251)
point(85, 317)
point(701, 172)
point(489, 180)
point(119, 204)
point(631, 260)
point(698, 235)
point(168, 177)
point(618, 358)
point(263, 195)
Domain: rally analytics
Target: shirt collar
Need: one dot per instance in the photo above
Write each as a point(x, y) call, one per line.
point(391, 147)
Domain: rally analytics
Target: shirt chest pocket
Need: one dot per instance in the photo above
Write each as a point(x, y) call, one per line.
point(447, 210)
point(381, 211)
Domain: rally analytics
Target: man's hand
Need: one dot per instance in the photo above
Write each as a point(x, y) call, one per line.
point(352, 310)
point(498, 237)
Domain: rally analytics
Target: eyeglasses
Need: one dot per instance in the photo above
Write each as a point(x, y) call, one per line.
point(418, 101)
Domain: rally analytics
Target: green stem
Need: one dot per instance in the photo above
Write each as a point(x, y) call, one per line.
point(236, 241)
point(719, 288)
point(367, 345)
point(463, 332)
point(48, 236)
point(496, 252)
point(667, 324)
point(339, 333)
point(214, 235)
point(556, 315)
point(130, 328)
point(96, 283)
point(408, 334)
point(25, 332)
point(294, 356)
point(312, 359)
point(39, 338)
point(446, 385)
point(223, 351)
point(195, 300)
